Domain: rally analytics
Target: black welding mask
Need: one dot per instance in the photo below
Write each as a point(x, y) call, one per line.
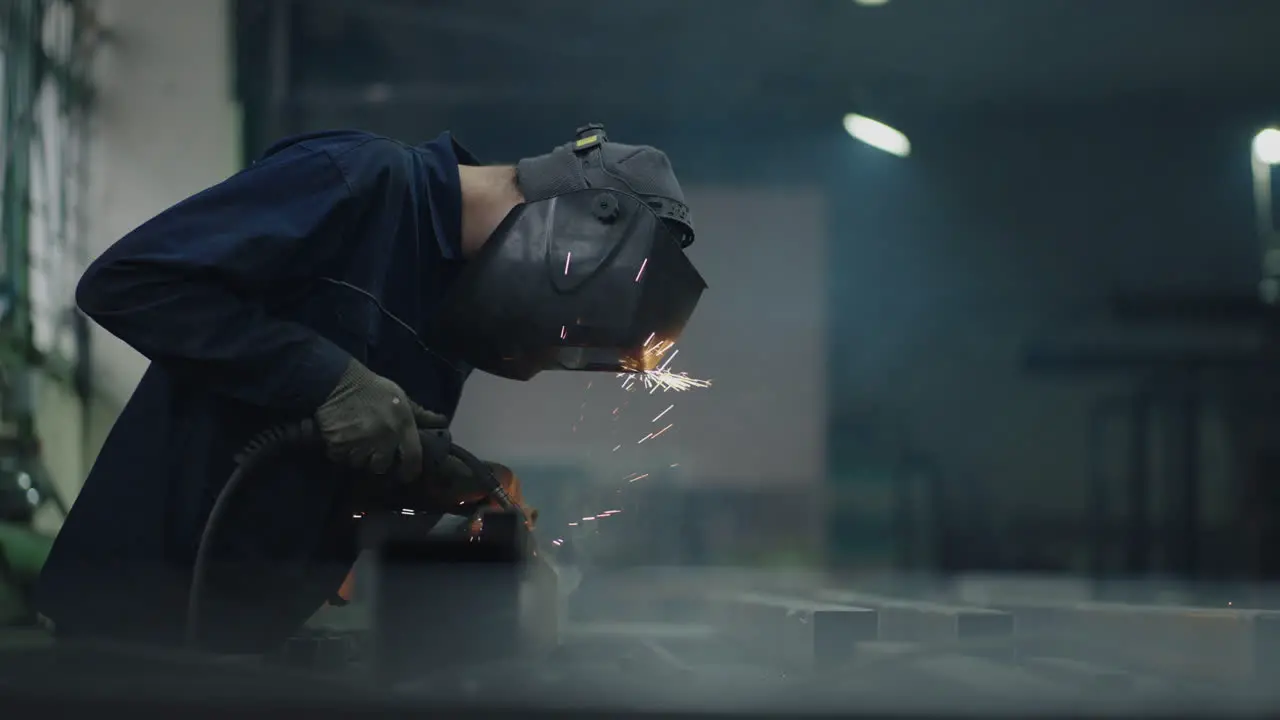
point(589, 273)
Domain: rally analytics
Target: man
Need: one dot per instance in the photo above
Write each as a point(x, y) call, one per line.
point(354, 280)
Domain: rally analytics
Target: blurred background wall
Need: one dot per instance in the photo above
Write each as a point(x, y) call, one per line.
point(950, 360)
point(1005, 234)
point(166, 125)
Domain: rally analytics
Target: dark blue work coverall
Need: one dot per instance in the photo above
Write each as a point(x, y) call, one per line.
point(249, 298)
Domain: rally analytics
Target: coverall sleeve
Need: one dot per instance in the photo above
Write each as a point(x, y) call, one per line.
point(185, 289)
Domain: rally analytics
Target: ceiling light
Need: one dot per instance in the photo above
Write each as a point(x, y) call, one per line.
point(1266, 146)
point(870, 3)
point(877, 135)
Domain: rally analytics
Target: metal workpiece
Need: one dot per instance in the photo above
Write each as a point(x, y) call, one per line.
point(1210, 644)
point(442, 600)
point(317, 651)
point(794, 632)
point(918, 621)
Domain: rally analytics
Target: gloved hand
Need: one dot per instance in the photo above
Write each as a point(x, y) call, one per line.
point(368, 423)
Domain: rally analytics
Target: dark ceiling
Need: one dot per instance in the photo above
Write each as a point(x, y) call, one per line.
point(775, 55)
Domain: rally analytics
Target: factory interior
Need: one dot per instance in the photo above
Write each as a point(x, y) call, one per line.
point(978, 414)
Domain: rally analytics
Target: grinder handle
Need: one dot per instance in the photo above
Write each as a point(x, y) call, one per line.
point(438, 447)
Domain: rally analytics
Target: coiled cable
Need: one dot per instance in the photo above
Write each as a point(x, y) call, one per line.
point(283, 441)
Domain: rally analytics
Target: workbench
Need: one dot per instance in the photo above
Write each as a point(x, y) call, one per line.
point(826, 650)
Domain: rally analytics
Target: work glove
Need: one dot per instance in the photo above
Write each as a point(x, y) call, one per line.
point(369, 424)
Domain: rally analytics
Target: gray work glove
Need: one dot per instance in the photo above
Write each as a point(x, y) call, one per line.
point(369, 424)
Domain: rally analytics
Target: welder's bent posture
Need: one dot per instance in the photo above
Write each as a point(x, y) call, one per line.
point(355, 280)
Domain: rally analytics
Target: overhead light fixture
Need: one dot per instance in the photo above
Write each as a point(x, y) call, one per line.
point(877, 134)
point(1265, 158)
point(870, 3)
point(1266, 146)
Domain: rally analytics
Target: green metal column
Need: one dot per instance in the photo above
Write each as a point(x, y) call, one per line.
point(46, 51)
point(21, 77)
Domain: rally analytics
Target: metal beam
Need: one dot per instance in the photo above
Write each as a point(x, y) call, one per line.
point(795, 632)
point(914, 621)
point(1241, 646)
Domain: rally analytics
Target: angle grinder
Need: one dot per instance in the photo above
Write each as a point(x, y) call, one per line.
point(479, 490)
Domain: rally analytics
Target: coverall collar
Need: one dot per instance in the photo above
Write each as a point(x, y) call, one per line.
point(445, 200)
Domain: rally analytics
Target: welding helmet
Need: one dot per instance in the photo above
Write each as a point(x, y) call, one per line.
point(588, 273)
